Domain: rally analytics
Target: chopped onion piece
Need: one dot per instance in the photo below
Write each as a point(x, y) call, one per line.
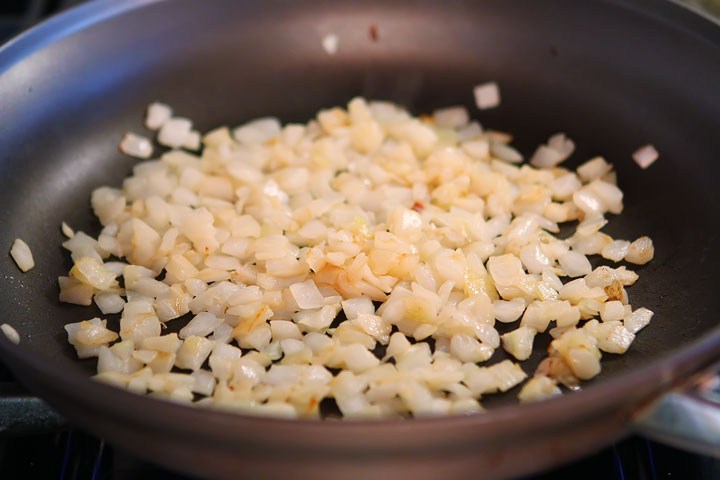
point(20, 252)
point(157, 115)
point(193, 352)
point(518, 343)
point(508, 311)
point(307, 295)
point(641, 251)
point(593, 169)
point(487, 95)
point(10, 333)
point(468, 349)
point(507, 374)
point(203, 324)
point(356, 306)
point(174, 132)
point(330, 43)
point(558, 148)
point(546, 157)
point(136, 146)
point(638, 320)
point(67, 231)
point(538, 388)
point(204, 382)
point(645, 156)
point(109, 302)
point(616, 250)
point(505, 153)
point(451, 117)
point(561, 144)
point(192, 140)
point(575, 264)
point(258, 131)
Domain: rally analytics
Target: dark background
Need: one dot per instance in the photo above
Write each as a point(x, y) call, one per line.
point(17, 15)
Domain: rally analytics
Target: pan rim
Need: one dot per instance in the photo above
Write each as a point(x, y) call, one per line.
point(593, 399)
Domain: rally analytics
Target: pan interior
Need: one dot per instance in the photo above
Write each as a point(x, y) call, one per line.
point(608, 77)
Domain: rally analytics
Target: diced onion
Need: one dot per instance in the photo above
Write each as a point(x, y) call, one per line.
point(157, 114)
point(641, 251)
point(10, 333)
point(307, 295)
point(330, 43)
point(645, 156)
point(487, 95)
point(136, 146)
point(20, 252)
point(303, 253)
point(174, 132)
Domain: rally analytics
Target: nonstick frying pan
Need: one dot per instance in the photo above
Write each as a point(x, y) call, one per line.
point(613, 75)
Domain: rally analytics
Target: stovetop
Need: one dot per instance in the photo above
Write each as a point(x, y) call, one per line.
point(73, 455)
point(36, 442)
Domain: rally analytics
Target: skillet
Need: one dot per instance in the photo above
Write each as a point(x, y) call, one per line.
point(613, 75)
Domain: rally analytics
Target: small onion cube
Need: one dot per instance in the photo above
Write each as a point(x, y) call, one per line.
point(109, 302)
point(66, 230)
point(468, 349)
point(561, 144)
point(641, 251)
point(10, 333)
point(307, 295)
point(507, 374)
point(359, 359)
point(354, 307)
point(193, 352)
point(157, 114)
point(136, 146)
point(330, 43)
point(538, 388)
point(575, 264)
point(469, 132)
point(508, 311)
point(174, 132)
point(204, 382)
point(616, 250)
point(505, 153)
point(283, 329)
point(519, 343)
point(201, 325)
point(258, 131)
point(638, 320)
point(487, 95)
point(612, 311)
point(546, 157)
point(282, 374)
point(593, 168)
point(192, 140)
point(20, 252)
point(451, 117)
point(477, 148)
point(645, 156)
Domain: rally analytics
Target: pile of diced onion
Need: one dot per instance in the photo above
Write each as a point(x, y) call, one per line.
point(363, 257)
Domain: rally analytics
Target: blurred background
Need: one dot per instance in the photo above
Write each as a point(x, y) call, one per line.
point(35, 442)
point(17, 15)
